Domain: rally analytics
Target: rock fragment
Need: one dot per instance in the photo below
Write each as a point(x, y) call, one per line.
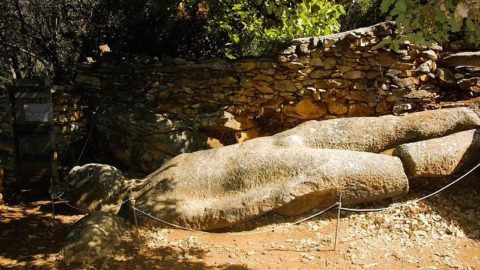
point(97, 187)
point(441, 157)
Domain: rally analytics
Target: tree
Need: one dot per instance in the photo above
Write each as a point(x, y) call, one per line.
point(46, 37)
point(427, 21)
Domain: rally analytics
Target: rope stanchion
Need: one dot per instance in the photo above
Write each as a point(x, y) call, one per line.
point(52, 197)
point(338, 221)
point(132, 202)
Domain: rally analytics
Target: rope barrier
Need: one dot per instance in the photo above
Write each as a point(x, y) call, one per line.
point(240, 233)
point(337, 204)
point(163, 221)
point(77, 208)
point(84, 146)
point(317, 214)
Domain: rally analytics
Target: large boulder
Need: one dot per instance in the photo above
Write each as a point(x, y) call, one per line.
point(97, 187)
point(142, 140)
point(441, 157)
point(377, 134)
point(220, 187)
point(93, 238)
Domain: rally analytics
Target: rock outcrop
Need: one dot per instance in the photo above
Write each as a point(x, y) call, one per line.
point(93, 238)
point(441, 157)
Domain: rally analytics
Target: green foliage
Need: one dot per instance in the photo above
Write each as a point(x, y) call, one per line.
point(253, 27)
point(435, 20)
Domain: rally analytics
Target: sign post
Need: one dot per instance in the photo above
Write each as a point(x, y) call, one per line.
point(34, 131)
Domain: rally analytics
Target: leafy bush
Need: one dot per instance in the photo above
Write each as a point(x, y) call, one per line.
point(253, 27)
point(429, 21)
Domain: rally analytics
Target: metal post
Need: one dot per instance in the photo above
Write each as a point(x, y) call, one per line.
point(52, 197)
point(338, 221)
point(132, 202)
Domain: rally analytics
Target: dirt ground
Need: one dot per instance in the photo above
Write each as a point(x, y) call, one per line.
point(439, 233)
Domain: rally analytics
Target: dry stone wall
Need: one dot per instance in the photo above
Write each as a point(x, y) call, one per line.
point(71, 123)
point(461, 70)
point(348, 74)
point(343, 75)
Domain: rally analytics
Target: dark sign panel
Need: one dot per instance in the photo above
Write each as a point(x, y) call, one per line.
point(37, 112)
point(34, 130)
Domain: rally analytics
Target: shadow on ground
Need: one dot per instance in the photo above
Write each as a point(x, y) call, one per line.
point(130, 255)
point(31, 238)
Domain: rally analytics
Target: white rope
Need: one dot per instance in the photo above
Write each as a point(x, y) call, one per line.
point(239, 233)
point(316, 214)
point(449, 185)
point(78, 208)
point(163, 221)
